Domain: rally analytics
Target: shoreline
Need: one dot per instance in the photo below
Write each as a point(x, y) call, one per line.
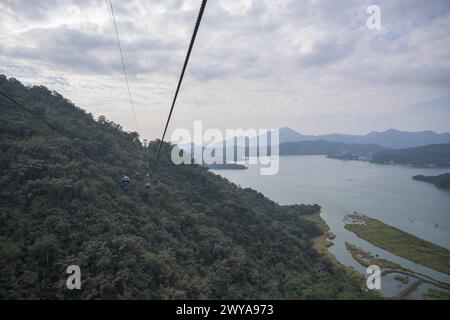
point(366, 258)
point(325, 241)
point(399, 242)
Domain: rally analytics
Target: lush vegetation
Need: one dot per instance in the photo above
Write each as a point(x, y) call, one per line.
point(438, 294)
point(325, 240)
point(400, 243)
point(317, 219)
point(302, 209)
point(434, 155)
point(192, 235)
point(226, 166)
point(366, 259)
point(440, 181)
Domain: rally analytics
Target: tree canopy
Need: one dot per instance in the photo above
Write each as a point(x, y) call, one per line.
point(192, 235)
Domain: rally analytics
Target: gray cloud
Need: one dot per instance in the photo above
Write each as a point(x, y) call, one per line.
point(260, 55)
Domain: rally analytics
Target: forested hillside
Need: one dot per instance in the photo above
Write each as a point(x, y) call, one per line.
point(441, 181)
point(433, 155)
point(193, 235)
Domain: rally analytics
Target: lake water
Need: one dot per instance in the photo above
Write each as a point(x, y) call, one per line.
point(384, 192)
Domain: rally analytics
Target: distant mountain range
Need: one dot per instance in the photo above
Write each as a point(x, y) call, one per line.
point(423, 149)
point(321, 147)
point(391, 138)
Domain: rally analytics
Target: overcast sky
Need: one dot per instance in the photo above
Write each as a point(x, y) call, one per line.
point(311, 65)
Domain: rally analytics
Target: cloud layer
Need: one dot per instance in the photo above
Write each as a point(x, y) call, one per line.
point(312, 65)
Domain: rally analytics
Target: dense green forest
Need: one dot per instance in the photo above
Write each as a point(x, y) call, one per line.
point(433, 155)
point(192, 235)
point(226, 166)
point(440, 181)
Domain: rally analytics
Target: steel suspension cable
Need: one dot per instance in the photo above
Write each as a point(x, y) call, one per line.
point(48, 124)
point(29, 111)
point(124, 69)
point(186, 60)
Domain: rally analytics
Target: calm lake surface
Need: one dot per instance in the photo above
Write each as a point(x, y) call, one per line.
point(384, 192)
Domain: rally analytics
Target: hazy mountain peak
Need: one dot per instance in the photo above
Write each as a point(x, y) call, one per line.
point(390, 138)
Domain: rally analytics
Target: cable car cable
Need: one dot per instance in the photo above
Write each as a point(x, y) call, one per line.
point(124, 69)
point(186, 60)
point(51, 126)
